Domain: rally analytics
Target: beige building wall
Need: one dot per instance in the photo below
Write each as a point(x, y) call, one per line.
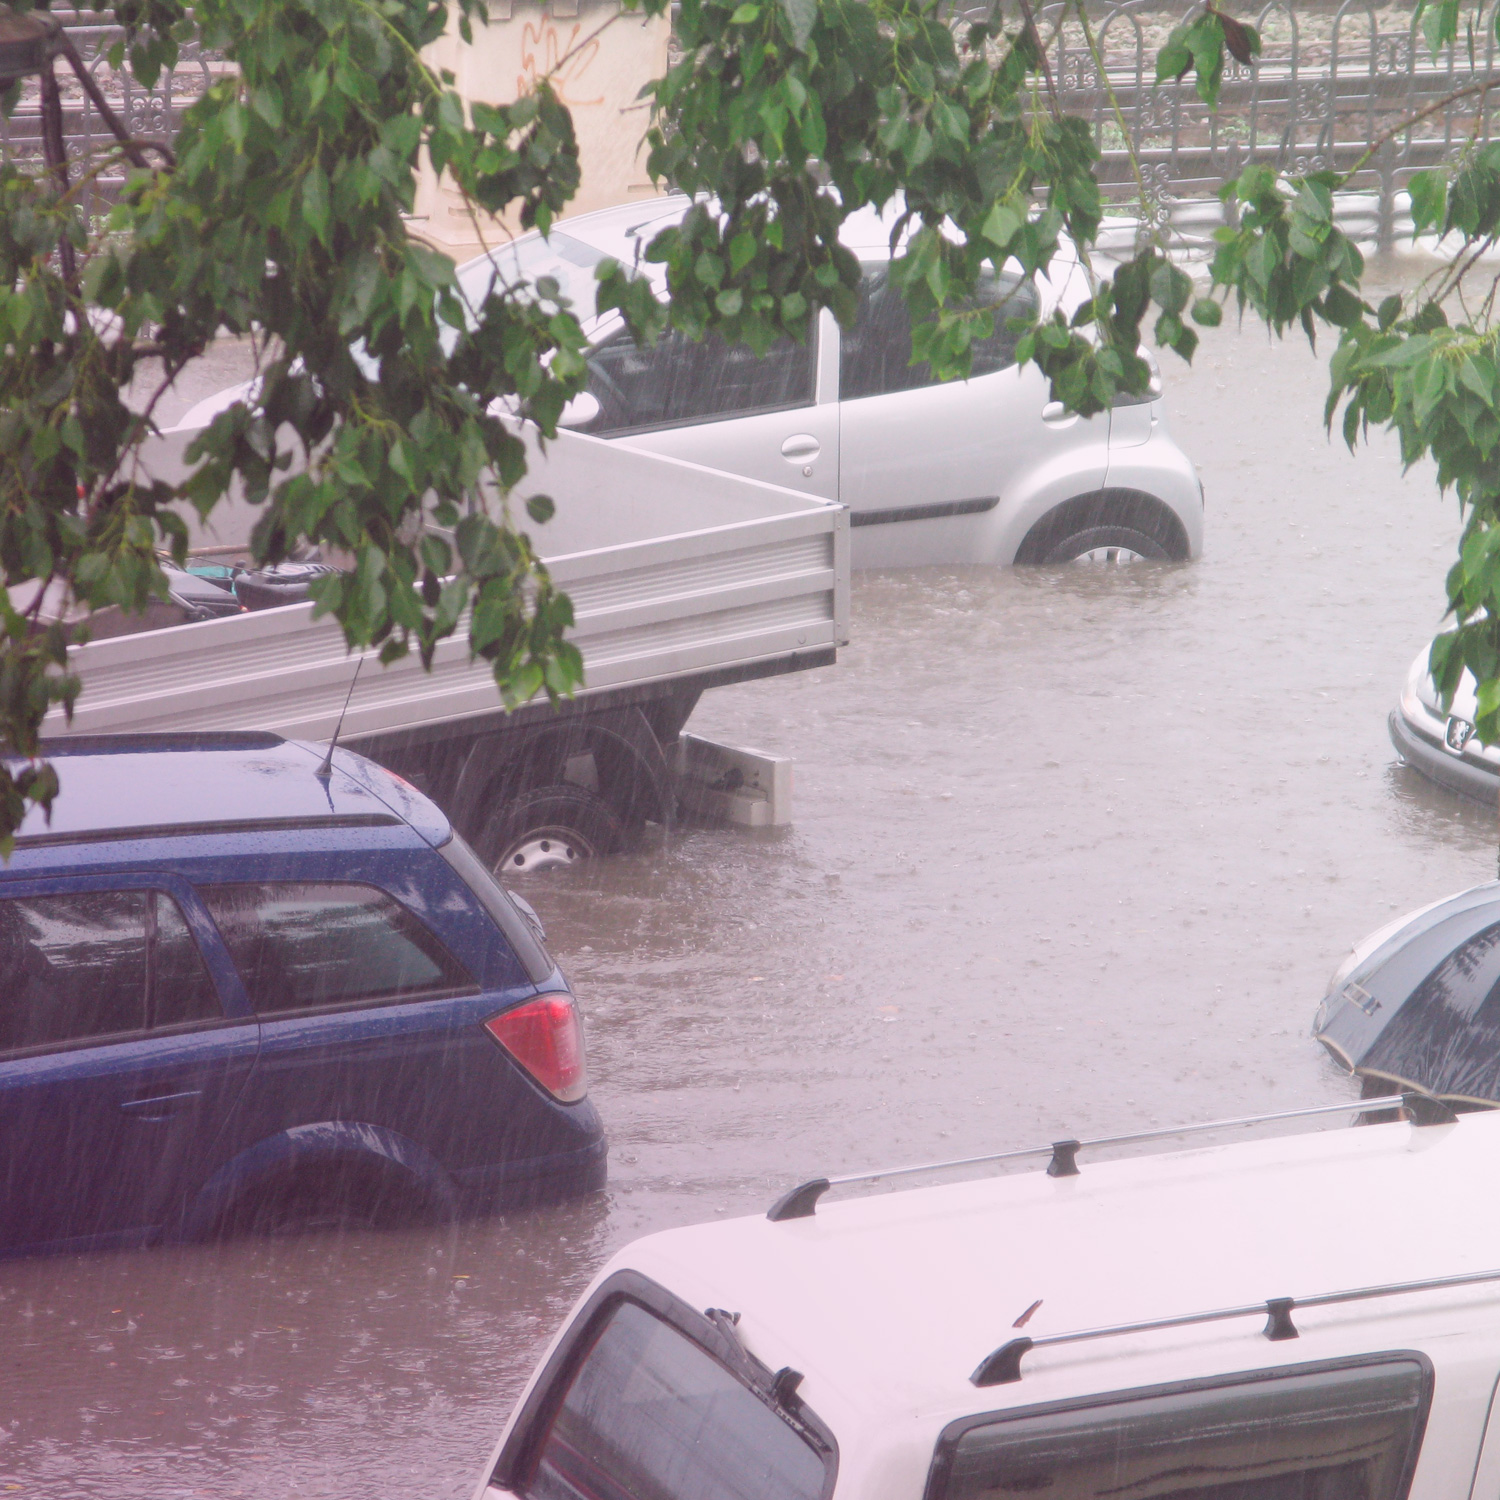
point(597, 70)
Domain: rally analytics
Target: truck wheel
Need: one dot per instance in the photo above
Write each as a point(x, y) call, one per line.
point(548, 827)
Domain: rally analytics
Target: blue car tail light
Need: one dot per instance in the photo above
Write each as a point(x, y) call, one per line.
point(545, 1037)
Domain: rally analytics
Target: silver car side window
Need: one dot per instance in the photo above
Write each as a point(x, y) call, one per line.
point(876, 356)
point(679, 381)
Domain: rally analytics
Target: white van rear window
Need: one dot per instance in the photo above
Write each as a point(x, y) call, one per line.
point(649, 1415)
point(1344, 1433)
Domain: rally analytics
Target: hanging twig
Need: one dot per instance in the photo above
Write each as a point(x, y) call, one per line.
point(1041, 52)
point(55, 154)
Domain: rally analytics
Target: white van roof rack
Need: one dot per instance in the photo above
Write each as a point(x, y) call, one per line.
point(801, 1202)
point(1003, 1367)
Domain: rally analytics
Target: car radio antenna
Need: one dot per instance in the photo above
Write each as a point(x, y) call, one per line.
point(325, 771)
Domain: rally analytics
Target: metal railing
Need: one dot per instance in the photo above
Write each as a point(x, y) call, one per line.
point(1332, 79)
point(94, 160)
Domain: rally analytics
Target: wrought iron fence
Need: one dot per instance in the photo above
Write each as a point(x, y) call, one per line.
point(1332, 82)
point(94, 161)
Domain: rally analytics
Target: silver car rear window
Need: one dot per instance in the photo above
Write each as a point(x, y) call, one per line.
point(568, 261)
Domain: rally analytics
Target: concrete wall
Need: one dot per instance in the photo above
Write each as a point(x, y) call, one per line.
point(599, 80)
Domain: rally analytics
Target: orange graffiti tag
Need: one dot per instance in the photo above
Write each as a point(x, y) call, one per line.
point(543, 39)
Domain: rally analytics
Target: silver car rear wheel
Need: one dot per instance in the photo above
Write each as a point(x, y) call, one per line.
point(1106, 546)
point(1109, 555)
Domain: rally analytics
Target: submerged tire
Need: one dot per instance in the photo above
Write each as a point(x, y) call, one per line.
point(550, 827)
point(344, 1199)
point(1109, 526)
point(1107, 544)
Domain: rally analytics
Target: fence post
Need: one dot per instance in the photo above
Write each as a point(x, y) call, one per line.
point(1385, 225)
point(1228, 207)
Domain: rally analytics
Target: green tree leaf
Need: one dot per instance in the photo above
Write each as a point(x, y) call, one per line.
point(802, 16)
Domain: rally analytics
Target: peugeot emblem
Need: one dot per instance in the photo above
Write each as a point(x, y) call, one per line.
point(1458, 734)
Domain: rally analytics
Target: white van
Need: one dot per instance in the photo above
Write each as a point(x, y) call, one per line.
point(1305, 1318)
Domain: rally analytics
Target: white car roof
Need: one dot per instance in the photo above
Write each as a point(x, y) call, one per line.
point(625, 231)
point(888, 1303)
point(615, 231)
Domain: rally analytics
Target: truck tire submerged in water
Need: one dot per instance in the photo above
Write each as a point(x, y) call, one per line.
point(550, 826)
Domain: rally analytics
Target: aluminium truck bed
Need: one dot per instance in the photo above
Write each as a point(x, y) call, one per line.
point(676, 572)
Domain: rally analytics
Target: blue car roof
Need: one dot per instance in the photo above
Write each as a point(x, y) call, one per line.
point(114, 786)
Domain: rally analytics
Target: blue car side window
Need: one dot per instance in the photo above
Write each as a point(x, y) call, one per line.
point(181, 990)
point(303, 945)
point(72, 967)
point(84, 965)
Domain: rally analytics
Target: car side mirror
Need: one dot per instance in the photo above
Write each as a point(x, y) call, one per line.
point(580, 411)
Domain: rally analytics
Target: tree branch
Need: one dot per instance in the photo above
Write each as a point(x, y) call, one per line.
point(1437, 105)
point(1041, 52)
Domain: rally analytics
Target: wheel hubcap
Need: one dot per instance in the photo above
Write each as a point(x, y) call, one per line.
point(1110, 555)
point(548, 850)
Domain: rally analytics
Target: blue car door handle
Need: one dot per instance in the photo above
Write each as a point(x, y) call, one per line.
point(160, 1106)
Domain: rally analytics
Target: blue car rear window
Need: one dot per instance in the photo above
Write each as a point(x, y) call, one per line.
point(303, 945)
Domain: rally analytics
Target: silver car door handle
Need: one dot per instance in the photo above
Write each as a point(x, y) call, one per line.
point(801, 445)
point(161, 1105)
point(1054, 414)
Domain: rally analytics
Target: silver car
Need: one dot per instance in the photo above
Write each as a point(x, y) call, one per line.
point(987, 470)
point(1442, 744)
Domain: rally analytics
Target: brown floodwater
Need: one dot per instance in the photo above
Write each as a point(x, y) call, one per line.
point(1073, 852)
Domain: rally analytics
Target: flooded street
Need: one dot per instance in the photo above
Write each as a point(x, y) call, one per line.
point(1074, 852)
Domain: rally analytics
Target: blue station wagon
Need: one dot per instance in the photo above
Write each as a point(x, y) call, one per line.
point(245, 986)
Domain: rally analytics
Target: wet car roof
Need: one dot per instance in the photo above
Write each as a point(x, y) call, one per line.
point(889, 1303)
point(217, 783)
point(621, 232)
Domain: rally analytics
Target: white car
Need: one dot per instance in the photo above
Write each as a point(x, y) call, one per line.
point(987, 470)
point(1440, 743)
point(1315, 1317)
